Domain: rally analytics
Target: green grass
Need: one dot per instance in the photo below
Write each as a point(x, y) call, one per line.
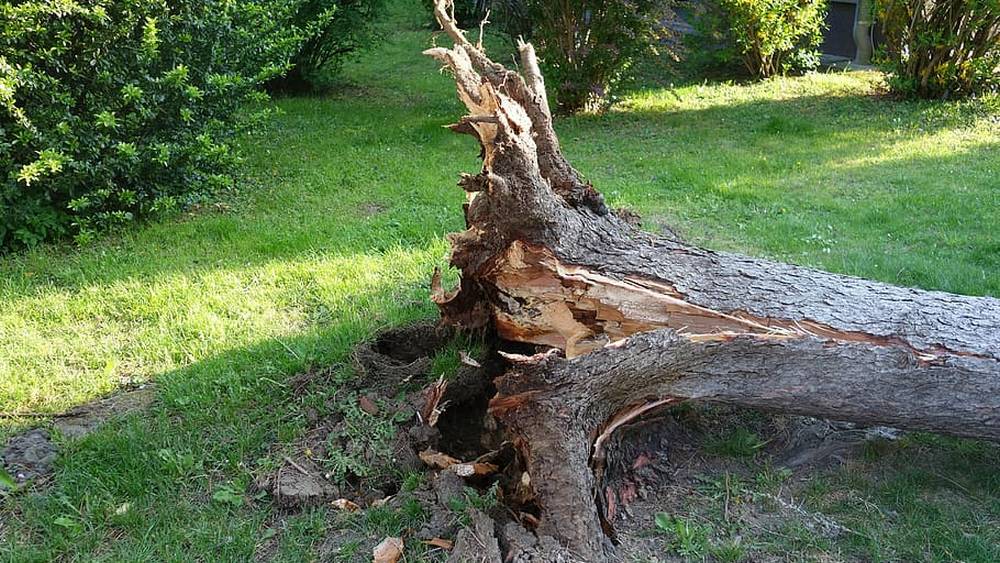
point(920, 498)
point(342, 218)
point(735, 442)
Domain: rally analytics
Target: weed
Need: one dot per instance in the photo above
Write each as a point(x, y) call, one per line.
point(738, 442)
point(771, 478)
point(728, 551)
point(412, 481)
point(473, 499)
point(684, 537)
point(382, 521)
point(447, 361)
point(230, 494)
point(362, 445)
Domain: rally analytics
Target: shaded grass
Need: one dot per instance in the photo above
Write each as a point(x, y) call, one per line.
point(919, 498)
point(342, 218)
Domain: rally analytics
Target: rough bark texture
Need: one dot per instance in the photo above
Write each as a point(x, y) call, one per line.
point(635, 322)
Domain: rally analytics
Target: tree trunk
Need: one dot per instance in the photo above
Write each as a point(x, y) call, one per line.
point(632, 322)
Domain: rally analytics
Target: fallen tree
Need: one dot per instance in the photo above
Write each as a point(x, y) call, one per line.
point(626, 323)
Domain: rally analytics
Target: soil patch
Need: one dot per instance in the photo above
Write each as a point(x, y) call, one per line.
point(397, 441)
point(30, 456)
point(715, 495)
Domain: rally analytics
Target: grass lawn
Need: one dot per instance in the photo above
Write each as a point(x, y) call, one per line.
point(341, 220)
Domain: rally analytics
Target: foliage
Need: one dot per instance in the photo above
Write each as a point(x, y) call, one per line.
point(768, 37)
point(337, 28)
point(112, 109)
point(736, 442)
point(686, 538)
point(472, 499)
point(230, 494)
point(941, 49)
point(6, 481)
point(586, 47)
point(467, 13)
point(361, 446)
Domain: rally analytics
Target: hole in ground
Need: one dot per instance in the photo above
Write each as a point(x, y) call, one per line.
point(465, 434)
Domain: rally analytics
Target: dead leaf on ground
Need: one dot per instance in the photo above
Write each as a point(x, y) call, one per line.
point(432, 402)
point(368, 405)
point(389, 551)
point(437, 460)
point(440, 542)
point(344, 504)
point(530, 521)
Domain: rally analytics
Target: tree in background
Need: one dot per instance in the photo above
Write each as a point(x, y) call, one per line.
point(586, 47)
point(337, 28)
point(766, 37)
point(941, 48)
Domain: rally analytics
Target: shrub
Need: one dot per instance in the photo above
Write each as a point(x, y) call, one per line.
point(111, 109)
point(337, 29)
point(586, 47)
point(768, 37)
point(941, 48)
point(467, 12)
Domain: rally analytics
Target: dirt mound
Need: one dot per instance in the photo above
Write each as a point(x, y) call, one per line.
point(707, 481)
point(86, 418)
point(30, 456)
point(398, 439)
point(370, 428)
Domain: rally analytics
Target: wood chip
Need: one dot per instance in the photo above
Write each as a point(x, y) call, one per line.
point(474, 469)
point(389, 551)
point(346, 505)
point(437, 460)
point(468, 360)
point(440, 542)
point(432, 402)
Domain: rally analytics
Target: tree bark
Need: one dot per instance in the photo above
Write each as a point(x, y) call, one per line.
point(633, 322)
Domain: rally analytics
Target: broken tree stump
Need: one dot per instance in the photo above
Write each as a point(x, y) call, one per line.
point(633, 322)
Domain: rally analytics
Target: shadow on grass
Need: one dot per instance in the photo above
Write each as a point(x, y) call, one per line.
point(144, 483)
point(215, 422)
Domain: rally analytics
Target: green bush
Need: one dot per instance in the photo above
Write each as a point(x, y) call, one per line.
point(586, 47)
point(113, 109)
point(766, 37)
point(467, 13)
point(941, 48)
point(337, 29)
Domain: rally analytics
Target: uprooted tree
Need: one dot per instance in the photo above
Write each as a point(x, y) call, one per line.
point(625, 322)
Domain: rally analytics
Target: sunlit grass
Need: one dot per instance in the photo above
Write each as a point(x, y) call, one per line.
point(63, 347)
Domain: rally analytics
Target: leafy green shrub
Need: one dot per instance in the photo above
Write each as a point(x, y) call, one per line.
point(112, 109)
point(467, 12)
point(337, 29)
point(941, 48)
point(586, 47)
point(768, 37)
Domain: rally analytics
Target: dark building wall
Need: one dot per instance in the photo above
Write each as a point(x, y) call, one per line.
point(838, 39)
